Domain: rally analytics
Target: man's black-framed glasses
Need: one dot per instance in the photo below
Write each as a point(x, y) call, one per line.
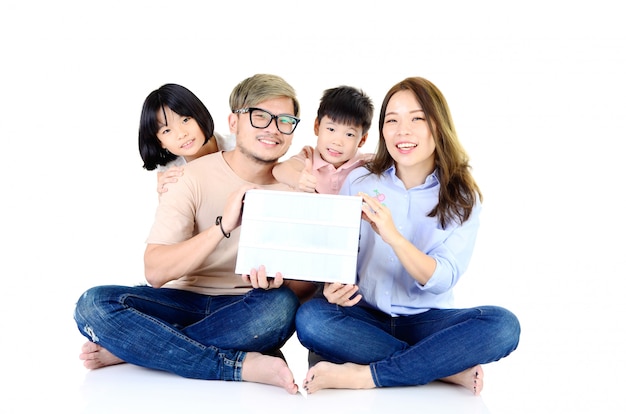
point(260, 118)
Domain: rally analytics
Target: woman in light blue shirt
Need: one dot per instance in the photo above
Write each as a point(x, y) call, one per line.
point(398, 326)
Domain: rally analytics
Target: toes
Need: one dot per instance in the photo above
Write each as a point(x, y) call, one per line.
point(89, 347)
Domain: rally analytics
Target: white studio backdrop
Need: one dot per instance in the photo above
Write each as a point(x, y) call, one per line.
point(536, 90)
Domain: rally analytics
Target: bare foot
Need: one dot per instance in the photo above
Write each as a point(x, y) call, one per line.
point(267, 369)
point(96, 356)
point(328, 375)
point(471, 378)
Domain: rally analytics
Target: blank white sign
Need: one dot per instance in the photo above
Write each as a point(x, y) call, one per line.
point(304, 236)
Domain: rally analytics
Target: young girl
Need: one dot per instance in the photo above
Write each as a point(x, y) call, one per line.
point(175, 127)
point(398, 326)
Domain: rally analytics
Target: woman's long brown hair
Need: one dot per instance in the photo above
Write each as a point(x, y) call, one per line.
point(458, 192)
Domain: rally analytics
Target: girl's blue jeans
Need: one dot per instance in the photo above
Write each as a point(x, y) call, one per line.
point(407, 350)
point(186, 333)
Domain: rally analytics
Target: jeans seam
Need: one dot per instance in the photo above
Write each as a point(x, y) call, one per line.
point(374, 375)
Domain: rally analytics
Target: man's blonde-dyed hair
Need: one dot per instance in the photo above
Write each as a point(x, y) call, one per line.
point(261, 87)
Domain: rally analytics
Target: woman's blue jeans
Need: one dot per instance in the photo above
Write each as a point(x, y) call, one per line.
point(407, 350)
point(186, 333)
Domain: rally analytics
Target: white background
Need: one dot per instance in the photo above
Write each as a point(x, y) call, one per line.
point(536, 89)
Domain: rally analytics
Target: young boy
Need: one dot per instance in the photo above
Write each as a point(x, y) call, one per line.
point(343, 120)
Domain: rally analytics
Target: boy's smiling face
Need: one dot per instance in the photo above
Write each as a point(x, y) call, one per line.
point(336, 142)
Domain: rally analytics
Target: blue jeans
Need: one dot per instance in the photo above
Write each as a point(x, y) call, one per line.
point(186, 333)
point(407, 350)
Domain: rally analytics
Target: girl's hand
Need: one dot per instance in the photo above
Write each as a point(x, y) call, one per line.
point(342, 295)
point(168, 176)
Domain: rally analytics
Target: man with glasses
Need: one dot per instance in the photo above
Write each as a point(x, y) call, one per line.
point(260, 118)
point(199, 319)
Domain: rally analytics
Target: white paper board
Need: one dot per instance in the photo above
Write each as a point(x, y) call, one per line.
point(304, 236)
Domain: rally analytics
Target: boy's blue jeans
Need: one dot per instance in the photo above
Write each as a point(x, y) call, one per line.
point(186, 333)
point(407, 350)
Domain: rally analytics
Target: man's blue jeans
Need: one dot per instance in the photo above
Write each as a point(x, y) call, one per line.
point(186, 333)
point(407, 350)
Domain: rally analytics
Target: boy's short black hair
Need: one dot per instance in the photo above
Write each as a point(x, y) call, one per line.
point(347, 105)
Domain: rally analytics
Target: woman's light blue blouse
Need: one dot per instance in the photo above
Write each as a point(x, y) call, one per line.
point(382, 280)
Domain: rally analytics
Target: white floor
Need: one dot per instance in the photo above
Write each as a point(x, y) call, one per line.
point(41, 372)
point(127, 388)
point(130, 389)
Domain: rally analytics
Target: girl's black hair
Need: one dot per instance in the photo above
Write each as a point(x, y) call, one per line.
point(180, 100)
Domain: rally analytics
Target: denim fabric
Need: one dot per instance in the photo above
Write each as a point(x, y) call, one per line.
point(186, 333)
point(407, 350)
